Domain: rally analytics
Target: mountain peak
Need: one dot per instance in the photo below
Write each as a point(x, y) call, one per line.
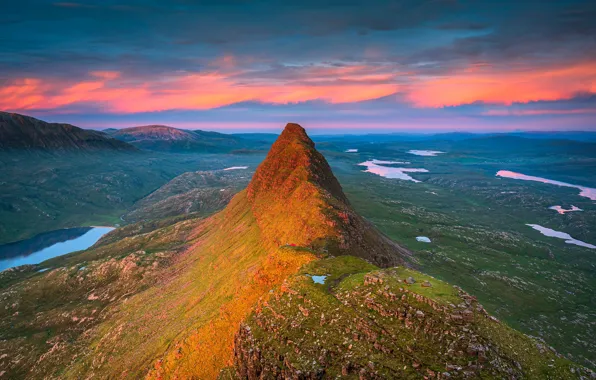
point(292, 162)
point(295, 132)
point(297, 201)
point(166, 138)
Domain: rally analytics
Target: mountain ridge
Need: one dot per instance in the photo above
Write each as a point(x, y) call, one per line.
point(151, 132)
point(26, 133)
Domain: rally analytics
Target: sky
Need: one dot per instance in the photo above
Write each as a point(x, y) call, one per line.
point(335, 66)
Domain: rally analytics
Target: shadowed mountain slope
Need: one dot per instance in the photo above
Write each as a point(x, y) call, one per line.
point(201, 192)
point(19, 132)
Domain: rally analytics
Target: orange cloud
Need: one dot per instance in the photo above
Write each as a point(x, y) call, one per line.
point(537, 112)
point(23, 94)
point(490, 86)
point(227, 84)
point(208, 90)
point(105, 74)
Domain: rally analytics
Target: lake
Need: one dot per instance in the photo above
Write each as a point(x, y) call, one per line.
point(563, 211)
point(426, 153)
point(48, 245)
point(587, 192)
point(560, 235)
point(376, 167)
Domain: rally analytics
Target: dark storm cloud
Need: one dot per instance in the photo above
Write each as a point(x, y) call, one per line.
point(155, 36)
point(48, 35)
point(537, 32)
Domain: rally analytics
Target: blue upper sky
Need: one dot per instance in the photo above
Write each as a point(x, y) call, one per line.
point(358, 66)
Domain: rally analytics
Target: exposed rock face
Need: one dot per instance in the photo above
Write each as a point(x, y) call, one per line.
point(19, 132)
point(297, 201)
point(292, 162)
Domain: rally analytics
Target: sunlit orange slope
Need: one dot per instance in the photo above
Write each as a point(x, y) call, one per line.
point(294, 211)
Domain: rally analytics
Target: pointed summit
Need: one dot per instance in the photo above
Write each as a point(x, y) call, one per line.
point(292, 162)
point(297, 200)
point(294, 131)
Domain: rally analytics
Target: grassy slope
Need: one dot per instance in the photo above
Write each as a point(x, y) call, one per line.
point(166, 300)
point(202, 192)
point(363, 321)
point(45, 193)
point(45, 316)
point(192, 317)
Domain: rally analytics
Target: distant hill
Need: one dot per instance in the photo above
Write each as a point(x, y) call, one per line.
point(164, 138)
point(507, 145)
point(201, 192)
point(559, 135)
point(20, 132)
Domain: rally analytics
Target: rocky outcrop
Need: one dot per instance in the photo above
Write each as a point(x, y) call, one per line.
point(384, 327)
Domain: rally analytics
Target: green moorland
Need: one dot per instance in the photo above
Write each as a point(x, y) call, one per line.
point(43, 192)
point(477, 223)
point(138, 302)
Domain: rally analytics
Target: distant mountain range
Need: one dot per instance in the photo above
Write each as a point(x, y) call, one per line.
point(164, 138)
point(25, 133)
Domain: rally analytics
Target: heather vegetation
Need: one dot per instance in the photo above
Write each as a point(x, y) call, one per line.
point(366, 322)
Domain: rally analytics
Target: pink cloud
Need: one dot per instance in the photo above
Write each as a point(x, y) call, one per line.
point(225, 83)
point(537, 112)
point(486, 84)
point(191, 91)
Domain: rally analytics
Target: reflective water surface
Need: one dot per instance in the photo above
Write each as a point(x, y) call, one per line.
point(47, 245)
